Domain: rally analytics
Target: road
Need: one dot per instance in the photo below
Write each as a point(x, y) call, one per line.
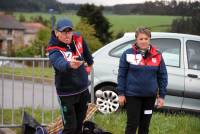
point(11, 94)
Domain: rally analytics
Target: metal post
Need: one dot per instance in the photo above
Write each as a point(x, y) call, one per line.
point(33, 81)
point(2, 119)
point(22, 92)
point(13, 79)
point(42, 91)
point(52, 18)
point(92, 85)
point(52, 112)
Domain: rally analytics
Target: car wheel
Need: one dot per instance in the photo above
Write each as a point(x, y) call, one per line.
point(107, 100)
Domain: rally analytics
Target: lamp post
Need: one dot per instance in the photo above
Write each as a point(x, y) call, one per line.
point(51, 11)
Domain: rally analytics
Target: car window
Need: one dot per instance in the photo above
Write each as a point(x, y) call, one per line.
point(117, 51)
point(193, 54)
point(170, 49)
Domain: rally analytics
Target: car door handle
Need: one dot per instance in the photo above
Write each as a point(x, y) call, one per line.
point(192, 75)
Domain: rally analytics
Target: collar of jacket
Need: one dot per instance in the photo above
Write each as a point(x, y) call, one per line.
point(153, 51)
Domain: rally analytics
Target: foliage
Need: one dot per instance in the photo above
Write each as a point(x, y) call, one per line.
point(174, 7)
point(24, 52)
point(22, 18)
point(95, 17)
point(119, 34)
point(88, 33)
point(42, 20)
point(36, 5)
point(158, 7)
point(38, 46)
point(41, 43)
point(188, 25)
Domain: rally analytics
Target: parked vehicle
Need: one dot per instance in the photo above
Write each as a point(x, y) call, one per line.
point(181, 53)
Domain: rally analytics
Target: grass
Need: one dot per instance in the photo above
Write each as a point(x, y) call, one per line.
point(29, 72)
point(119, 23)
point(17, 116)
point(129, 23)
point(161, 123)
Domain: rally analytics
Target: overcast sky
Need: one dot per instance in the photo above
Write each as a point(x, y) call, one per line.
point(110, 2)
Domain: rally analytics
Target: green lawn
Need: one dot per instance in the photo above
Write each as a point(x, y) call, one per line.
point(119, 22)
point(161, 123)
point(131, 22)
point(29, 72)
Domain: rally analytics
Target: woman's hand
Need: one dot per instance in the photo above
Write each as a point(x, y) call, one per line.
point(160, 102)
point(122, 100)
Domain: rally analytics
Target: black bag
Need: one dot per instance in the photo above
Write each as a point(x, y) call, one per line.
point(29, 124)
point(41, 130)
point(90, 127)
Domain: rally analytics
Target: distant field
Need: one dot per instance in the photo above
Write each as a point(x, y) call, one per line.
point(119, 22)
point(131, 22)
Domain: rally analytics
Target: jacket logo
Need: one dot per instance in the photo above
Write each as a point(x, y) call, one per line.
point(134, 59)
point(154, 60)
point(67, 55)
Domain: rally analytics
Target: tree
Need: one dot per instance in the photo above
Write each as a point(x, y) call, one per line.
point(22, 18)
point(95, 17)
point(42, 20)
point(188, 25)
point(88, 33)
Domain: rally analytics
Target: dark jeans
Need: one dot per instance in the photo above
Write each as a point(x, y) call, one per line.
point(74, 110)
point(139, 113)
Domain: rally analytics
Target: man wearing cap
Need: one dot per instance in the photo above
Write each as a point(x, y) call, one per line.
point(69, 53)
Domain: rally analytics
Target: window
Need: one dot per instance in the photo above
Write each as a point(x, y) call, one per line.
point(10, 31)
point(117, 51)
point(1, 46)
point(171, 50)
point(193, 54)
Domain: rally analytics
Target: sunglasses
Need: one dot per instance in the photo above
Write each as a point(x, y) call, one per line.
point(66, 31)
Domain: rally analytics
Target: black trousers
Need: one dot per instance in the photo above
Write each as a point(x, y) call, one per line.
point(139, 113)
point(73, 109)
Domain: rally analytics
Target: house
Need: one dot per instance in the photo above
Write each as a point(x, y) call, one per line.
point(31, 30)
point(11, 35)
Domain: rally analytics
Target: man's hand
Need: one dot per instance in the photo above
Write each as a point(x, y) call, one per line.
point(75, 63)
point(160, 102)
point(122, 100)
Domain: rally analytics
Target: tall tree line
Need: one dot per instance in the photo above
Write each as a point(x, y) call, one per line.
point(181, 8)
point(174, 7)
point(35, 5)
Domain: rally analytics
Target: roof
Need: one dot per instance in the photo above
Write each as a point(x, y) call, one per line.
point(163, 34)
point(9, 22)
point(32, 27)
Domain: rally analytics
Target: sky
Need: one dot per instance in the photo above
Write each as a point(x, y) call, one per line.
point(111, 2)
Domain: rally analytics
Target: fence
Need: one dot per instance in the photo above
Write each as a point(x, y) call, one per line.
point(27, 84)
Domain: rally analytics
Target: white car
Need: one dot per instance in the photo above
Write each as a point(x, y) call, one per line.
point(181, 53)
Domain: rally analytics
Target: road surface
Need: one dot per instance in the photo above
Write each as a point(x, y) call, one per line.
point(12, 91)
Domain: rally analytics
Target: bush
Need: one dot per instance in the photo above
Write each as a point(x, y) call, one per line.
point(189, 25)
point(88, 32)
